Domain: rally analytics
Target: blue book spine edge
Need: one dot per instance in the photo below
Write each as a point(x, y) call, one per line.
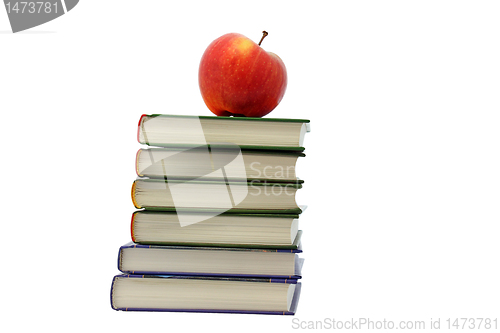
point(297, 274)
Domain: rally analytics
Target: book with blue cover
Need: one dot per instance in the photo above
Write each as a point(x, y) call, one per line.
point(175, 293)
point(209, 261)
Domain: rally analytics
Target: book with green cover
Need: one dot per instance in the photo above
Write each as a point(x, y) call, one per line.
point(268, 231)
point(215, 196)
point(255, 133)
point(244, 164)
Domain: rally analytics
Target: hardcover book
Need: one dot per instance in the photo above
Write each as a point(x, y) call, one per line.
point(205, 294)
point(243, 197)
point(223, 230)
point(178, 163)
point(253, 133)
point(209, 261)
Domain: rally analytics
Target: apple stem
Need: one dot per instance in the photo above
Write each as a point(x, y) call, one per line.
point(264, 36)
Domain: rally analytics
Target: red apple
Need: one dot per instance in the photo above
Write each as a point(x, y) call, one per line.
point(238, 78)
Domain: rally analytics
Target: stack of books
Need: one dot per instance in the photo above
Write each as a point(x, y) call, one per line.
point(216, 228)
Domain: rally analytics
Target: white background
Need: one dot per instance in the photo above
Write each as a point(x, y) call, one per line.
point(401, 176)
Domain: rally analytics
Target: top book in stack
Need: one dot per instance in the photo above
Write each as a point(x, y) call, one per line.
point(247, 133)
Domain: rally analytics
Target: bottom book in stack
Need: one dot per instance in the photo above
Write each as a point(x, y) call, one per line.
point(217, 277)
point(181, 293)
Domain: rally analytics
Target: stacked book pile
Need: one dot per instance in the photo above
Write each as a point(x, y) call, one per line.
point(216, 228)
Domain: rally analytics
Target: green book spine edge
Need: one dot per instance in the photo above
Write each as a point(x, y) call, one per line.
point(243, 147)
point(292, 211)
point(254, 181)
point(187, 210)
point(231, 118)
point(297, 184)
point(294, 152)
